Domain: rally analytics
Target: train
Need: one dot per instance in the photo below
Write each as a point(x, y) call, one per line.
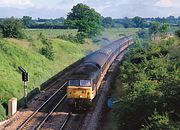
point(83, 84)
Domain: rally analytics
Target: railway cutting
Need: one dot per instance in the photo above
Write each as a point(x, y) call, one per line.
point(72, 104)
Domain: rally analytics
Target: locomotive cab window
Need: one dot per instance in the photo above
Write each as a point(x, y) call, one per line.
point(85, 83)
point(73, 82)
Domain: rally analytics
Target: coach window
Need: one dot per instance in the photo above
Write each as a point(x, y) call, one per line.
point(85, 83)
point(73, 82)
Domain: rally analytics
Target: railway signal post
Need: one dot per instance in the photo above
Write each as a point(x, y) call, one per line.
point(25, 79)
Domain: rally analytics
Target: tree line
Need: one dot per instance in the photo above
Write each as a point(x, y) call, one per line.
point(86, 20)
point(150, 86)
point(60, 23)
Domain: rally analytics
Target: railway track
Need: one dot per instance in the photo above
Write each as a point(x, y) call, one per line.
point(38, 118)
point(73, 122)
point(66, 121)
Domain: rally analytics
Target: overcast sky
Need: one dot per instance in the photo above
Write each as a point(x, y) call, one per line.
point(113, 8)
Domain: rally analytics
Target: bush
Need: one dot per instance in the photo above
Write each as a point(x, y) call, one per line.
point(3, 108)
point(47, 50)
point(2, 113)
point(177, 33)
point(12, 28)
point(158, 122)
point(150, 83)
point(78, 38)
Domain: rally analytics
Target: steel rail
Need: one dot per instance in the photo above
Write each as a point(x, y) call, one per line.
point(35, 112)
point(44, 120)
point(65, 122)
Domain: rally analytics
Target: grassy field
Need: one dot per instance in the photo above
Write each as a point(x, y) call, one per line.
point(115, 33)
point(48, 33)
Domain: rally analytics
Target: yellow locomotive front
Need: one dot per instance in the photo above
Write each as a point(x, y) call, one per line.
point(80, 93)
point(81, 88)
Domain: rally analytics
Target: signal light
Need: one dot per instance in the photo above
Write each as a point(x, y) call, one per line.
point(25, 76)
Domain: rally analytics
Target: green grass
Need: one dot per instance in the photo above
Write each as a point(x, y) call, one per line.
point(49, 33)
point(115, 33)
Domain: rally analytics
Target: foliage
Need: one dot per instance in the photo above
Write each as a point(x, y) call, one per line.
point(158, 122)
point(49, 33)
point(85, 19)
point(12, 28)
point(154, 28)
point(139, 22)
point(27, 21)
point(47, 50)
point(150, 81)
point(126, 22)
point(57, 23)
point(143, 33)
point(78, 38)
point(157, 29)
point(108, 22)
point(177, 33)
point(146, 22)
point(2, 113)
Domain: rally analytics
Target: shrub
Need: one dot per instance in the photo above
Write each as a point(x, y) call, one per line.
point(78, 38)
point(47, 50)
point(150, 82)
point(177, 33)
point(12, 28)
point(158, 122)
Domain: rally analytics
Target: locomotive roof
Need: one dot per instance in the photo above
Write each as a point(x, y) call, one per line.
point(98, 58)
point(85, 71)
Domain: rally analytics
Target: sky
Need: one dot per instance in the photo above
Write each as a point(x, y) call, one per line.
point(112, 8)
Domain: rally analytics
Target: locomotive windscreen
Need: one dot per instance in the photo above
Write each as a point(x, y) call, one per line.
point(74, 83)
point(83, 83)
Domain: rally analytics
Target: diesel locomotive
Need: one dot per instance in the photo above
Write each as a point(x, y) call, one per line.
point(84, 83)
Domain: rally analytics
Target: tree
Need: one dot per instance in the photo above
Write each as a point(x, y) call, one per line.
point(177, 33)
point(27, 21)
point(164, 28)
point(154, 28)
point(85, 19)
point(138, 22)
point(127, 23)
point(108, 22)
point(12, 27)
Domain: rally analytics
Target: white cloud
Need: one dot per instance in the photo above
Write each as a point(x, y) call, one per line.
point(16, 3)
point(113, 8)
point(168, 3)
point(164, 3)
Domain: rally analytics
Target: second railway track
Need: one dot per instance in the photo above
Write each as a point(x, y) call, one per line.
point(36, 120)
point(73, 121)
